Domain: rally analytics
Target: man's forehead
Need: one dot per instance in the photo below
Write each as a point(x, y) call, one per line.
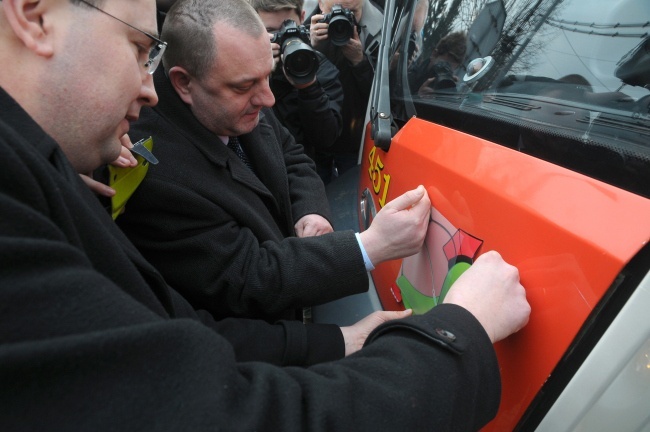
point(238, 50)
point(276, 18)
point(349, 4)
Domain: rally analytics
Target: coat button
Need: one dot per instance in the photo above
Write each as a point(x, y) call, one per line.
point(446, 334)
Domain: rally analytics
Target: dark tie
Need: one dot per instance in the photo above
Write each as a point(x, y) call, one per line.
point(233, 144)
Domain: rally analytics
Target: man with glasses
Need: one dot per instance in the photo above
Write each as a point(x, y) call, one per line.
point(91, 337)
point(156, 50)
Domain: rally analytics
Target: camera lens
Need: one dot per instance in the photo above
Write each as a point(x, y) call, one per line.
point(340, 30)
point(300, 61)
point(444, 76)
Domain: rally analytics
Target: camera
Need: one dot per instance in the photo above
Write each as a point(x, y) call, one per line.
point(341, 25)
point(444, 76)
point(298, 58)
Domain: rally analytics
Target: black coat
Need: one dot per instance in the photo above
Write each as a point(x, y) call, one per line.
point(70, 242)
point(312, 115)
point(224, 236)
point(92, 339)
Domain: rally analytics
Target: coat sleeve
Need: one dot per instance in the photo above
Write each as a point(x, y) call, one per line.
point(79, 353)
point(107, 363)
point(220, 246)
point(284, 343)
point(320, 107)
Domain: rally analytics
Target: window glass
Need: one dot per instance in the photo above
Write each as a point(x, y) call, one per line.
point(564, 80)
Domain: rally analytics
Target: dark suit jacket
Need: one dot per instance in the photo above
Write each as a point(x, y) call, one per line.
point(92, 339)
point(224, 236)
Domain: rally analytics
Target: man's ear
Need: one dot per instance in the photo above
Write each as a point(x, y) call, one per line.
point(182, 82)
point(30, 22)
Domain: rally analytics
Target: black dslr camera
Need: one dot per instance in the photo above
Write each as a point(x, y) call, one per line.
point(441, 70)
point(298, 58)
point(341, 25)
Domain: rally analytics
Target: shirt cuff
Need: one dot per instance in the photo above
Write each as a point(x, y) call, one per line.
point(366, 259)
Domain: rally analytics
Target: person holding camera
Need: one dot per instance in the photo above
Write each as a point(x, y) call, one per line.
point(308, 92)
point(437, 72)
point(348, 33)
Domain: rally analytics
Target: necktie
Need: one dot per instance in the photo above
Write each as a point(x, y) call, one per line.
point(233, 144)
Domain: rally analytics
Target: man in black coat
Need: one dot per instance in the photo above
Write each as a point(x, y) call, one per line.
point(91, 337)
point(237, 240)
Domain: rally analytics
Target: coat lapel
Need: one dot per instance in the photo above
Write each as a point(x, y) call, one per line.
point(178, 113)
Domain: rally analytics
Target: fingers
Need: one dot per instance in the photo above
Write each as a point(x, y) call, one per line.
point(312, 225)
point(353, 51)
point(407, 200)
point(416, 201)
point(386, 316)
point(318, 30)
point(299, 227)
point(355, 335)
point(491, 291)
point(125, 159)
point(98, 187)
point(399, 228)
point(125, 140)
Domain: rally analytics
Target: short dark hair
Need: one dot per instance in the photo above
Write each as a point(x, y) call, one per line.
point(277, 5)
point(454, 45)
point(189, 31)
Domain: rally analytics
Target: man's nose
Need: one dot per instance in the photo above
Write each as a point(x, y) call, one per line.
point(148, 94)
point(264, 97)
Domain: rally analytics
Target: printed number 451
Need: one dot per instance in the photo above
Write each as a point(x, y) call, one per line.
point(379, 180)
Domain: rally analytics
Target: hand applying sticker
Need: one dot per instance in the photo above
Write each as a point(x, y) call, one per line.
point(399, 228)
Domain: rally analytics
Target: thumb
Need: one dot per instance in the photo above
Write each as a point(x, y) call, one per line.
point(407, 199)
point(393, 315)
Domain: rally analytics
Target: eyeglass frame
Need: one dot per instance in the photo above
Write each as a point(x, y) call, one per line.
point(156, 52)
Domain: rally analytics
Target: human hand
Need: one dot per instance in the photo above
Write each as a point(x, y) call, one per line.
point(318, 31)
point(427, 87)
point(97, 187)
point(312, 225)
point(355, 335)
point(353, 50)
point(124, 160)
point(275, 48)
point(491, 291)
point(298, 86)
point(399, 228)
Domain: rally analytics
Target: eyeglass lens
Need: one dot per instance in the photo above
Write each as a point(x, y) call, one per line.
point(155, 55)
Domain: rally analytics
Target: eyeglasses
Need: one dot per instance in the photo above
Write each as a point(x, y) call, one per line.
point(156, 52)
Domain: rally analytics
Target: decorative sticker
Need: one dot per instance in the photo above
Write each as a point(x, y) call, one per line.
point(425, 278)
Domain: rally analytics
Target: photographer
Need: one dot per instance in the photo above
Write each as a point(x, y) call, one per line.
point(436, 72)
point(355, 61)
point(309, 105)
